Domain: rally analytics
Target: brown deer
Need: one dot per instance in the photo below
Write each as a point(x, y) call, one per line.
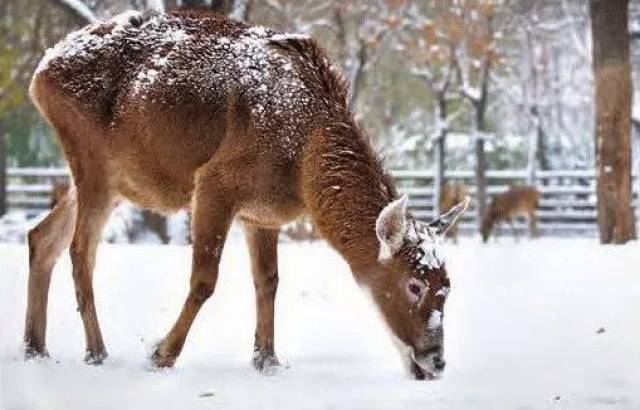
point(453, 193)
point(193, 110)
point(516, 201)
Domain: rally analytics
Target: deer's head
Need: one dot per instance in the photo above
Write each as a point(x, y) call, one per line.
point(412, 285)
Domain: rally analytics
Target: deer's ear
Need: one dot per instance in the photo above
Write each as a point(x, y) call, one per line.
point(391, 227)
point(443, 223)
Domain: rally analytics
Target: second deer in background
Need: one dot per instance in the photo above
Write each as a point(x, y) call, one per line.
point(452, 194)
point(516, 201)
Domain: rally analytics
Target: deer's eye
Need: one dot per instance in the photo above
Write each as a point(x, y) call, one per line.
point(415, 289)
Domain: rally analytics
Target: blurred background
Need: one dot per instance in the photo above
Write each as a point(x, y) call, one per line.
point(457, 95)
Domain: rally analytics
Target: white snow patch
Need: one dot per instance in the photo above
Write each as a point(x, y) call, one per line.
point(444, 292)
point(435, 320)
point(290, 36)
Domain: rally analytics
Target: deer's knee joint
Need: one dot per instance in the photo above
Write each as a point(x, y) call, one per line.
point(74, 251)
point(77, 252)
point(34, 239)
point(202, 290)
point(40, 258)
point(33, 236)
point(268, 284)
point(84, 299)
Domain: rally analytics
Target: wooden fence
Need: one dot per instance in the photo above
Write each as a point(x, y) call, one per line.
point(567, 205)
point(30, 188)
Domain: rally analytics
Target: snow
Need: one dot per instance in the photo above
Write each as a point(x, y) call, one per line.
point(522, 331)
point(435, 320)
point(290, 36)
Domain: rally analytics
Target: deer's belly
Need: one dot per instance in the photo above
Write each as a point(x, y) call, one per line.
point(156, 190)
point(269, 214)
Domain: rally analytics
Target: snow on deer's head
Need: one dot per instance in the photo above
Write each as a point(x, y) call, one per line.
point(412, 285)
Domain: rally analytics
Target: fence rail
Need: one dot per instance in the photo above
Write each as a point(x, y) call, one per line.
point(567, 203)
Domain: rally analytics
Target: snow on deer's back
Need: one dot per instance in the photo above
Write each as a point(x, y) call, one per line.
point(146, 61)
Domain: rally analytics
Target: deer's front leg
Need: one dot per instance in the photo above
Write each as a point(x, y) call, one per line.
point(514, 231)
point(264, 265)
point(212, 215)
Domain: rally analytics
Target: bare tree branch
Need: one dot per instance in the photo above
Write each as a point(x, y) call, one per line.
point(78, 9)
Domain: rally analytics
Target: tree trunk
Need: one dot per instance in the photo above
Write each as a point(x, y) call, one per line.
point(438, 177)
point(481, 179)
point(532, 166)
point(357, 81)
point(609, 27)
point(441, 144)
point(481, 131)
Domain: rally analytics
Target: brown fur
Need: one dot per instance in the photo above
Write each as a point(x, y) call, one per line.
point(58, 192)
point(516, 201)
point(215, 150)
point(453, 193)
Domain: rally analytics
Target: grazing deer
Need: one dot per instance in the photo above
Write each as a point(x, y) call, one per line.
point(453, 193)
point(193, 110)
point(516, 201)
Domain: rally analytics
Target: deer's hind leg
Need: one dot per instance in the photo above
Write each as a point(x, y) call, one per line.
point(212, 215)
point(264, 266)
point(533, 224)
point(95, 203)
point(46, 242)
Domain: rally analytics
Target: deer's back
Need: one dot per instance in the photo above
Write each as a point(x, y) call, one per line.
point(191, 86)
point(452, 194)
point(516, 200)
point(189, 63)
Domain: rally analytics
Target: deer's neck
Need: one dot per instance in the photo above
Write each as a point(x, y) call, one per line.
point(345, 189)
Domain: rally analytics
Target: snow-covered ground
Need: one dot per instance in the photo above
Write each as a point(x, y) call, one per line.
point(548, 324)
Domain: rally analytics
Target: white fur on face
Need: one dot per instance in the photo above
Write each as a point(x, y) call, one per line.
point(435, 320)
point(444, 292)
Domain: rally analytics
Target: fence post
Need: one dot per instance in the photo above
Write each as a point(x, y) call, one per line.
point(3, 173)
point(532, 162)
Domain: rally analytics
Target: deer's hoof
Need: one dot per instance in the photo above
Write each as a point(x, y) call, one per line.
point(95, 359)
point(32, 352)
point(161, 359)
point(265, 363)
